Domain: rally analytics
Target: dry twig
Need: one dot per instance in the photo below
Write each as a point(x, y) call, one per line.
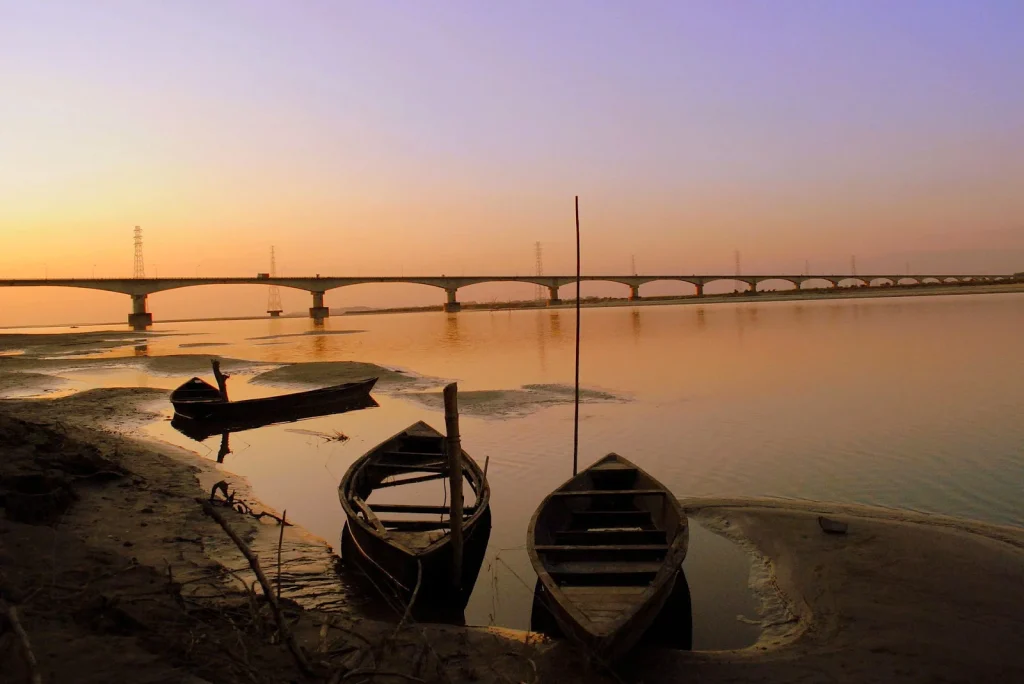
point(280, 541)
point(254, 563)
point(26, 645)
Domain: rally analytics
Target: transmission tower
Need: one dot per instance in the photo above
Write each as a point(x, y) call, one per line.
point(853, 265)
point(274, 299)
point(632, 261)
point(737, 262)
point(140, 265)
point(539, 258)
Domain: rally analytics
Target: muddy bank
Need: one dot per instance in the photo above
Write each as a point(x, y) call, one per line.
point(168, 364)
point(901, 597)
point(43, 344)
point(14, 383)
point(117, 575)
point(506, 403)
point(323, 373)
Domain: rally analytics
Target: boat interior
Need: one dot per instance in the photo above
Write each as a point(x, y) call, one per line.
point(604, 535)
point(402, 490)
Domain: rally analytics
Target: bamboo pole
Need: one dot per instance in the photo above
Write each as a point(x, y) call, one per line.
point(576, 400)
point(454, 448)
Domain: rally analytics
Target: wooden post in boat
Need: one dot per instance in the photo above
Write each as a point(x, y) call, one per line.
point(222, 379)
point(454, 448)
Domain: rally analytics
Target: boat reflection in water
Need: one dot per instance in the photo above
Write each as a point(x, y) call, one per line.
point(200, 430)
point(673, 628)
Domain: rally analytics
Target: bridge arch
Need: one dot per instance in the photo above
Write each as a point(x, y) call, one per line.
point(855, 281)
point(721, 285)
point(883, 279)
point(780, 279)
point(817, 283)
point(695, 282)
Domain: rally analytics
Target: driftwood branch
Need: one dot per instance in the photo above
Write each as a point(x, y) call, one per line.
point(222, 378)
point(280, 542)
point(268, 592)
point(26, 645)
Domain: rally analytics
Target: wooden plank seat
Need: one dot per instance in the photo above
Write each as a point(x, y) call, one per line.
point(639, 571)
point(435, 467)
point(412, 480)
point(416, 525)
point(585, 520)
point(609, 537)
point(414, 454)
point(609, 552)
point(415, 508)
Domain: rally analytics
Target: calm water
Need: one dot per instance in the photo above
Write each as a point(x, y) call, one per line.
point(910, 403)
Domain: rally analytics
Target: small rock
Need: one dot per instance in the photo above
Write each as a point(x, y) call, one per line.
point(147, 509)
point(128, 543)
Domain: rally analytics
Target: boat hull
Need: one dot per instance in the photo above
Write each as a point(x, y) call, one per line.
point(396, 572)
point(611, 647)
point(608, 546)
point(299, 404)
point(411, 559)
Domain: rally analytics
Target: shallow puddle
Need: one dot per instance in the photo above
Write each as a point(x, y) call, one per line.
point(722, 602)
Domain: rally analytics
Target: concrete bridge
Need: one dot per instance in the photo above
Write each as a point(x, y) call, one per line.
point(140, 288)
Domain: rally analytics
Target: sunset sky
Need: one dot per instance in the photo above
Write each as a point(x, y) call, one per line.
point(448, 137)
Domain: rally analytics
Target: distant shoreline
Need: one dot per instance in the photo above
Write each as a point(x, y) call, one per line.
point(770, 296)
point(927, 290)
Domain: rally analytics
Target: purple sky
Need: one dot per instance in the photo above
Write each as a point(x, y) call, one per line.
point(450, 136)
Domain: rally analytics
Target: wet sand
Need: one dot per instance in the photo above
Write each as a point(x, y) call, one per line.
point(118, 575)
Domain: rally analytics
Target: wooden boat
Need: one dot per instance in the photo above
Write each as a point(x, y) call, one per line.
point(411, 549)
point(607, 547)
point(202, 429)
point(199, 400)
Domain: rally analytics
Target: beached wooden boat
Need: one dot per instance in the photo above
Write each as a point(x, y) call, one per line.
point(607, 547)
point(202, 429)
point(406, 545)
point(199, 400)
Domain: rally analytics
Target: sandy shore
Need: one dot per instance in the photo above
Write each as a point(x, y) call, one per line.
point(117, 575)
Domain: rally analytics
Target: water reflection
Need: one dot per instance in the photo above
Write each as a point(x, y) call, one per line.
point(541, 342)
point(451, 329)
point(556, 324)
point(777, 416)
point(200, 430)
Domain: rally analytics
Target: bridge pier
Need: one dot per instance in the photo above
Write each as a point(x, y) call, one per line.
point(139, 318)
point(634, 293)
point(553, 299)
point(700, 289)
point(318, 311)
point(753, 288)
point(452, 305)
